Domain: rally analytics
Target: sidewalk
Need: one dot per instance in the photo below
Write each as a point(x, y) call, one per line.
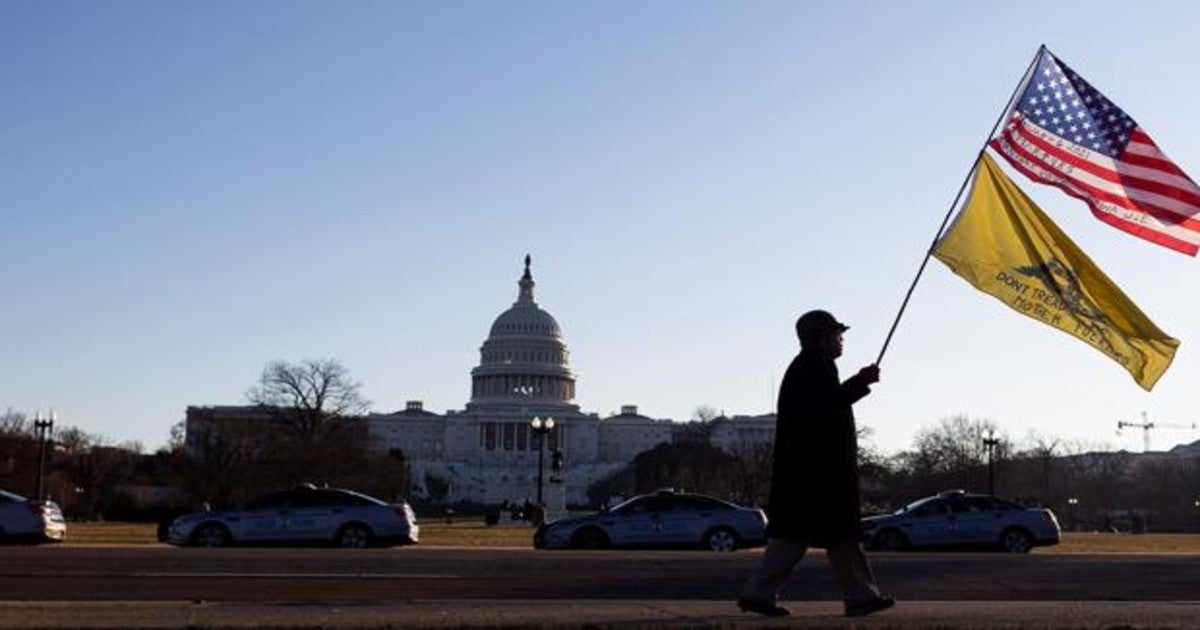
point(590, 613)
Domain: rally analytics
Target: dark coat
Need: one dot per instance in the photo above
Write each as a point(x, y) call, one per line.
point(814, 479)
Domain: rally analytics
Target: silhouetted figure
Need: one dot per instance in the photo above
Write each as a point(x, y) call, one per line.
point(814, 498)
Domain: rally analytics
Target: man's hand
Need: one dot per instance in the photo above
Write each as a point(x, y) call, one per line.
point(869, 374)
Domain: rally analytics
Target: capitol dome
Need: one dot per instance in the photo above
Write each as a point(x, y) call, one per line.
point(524, 358)
point(525, 318)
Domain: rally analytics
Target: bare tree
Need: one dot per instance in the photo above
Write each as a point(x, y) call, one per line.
point(699, 428)
point(705, 413)
point(750, 469)
point(317, 432)
point(1042, 452)
point(178, 437)
point(226, 464)
point(690, 465)
point(314, 397)
point(91, 469)
point(954, 451)
point(17, 452)
point(15, 423)
point(1098, 478)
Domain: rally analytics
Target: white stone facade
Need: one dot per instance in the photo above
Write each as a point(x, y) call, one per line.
point(491, 455)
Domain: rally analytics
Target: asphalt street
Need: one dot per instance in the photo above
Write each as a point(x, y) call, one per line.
point(159, 586)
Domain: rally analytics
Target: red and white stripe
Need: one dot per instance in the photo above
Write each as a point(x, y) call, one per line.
point(1143, 192)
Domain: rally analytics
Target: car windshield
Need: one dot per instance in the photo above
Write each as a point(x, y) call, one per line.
point(916, 504)
point(311, 498)
point(646, 503)
point(273, 500)
point(964, 503)
point(701, 502)
point(623, 504)
point(349, 498)
point(670, 502)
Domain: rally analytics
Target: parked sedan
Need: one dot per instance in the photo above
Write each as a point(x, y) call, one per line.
point(662, 519)
point(305, 514)
point(22, 519)
point(958, 519)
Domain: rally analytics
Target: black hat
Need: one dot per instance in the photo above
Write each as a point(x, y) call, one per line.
point(815, 323)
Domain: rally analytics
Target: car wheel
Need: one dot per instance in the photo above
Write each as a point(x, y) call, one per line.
point(355, 536)
point(721, 539)
point(211, 535)
point(590, 538)
point(1016, 540)
point(891, 540)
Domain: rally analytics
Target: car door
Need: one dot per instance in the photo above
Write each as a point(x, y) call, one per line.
point(259, 520)
point(962, 523)
point(313, 515)
point(704, 513)
point(14, 516)
point(982, 520)
point(679, 521)
point(636, 522)
point(927, 524)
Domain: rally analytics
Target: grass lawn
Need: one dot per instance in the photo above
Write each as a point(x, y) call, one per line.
point(437, 533)
point(1101, 542)
point(433, 534)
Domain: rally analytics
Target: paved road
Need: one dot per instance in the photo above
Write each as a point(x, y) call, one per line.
point(58, 586)
point(158, 573)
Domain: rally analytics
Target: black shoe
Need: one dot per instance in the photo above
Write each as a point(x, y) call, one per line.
point(870, 606)
point(770, 609)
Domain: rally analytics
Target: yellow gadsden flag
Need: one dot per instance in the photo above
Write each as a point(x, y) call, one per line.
point(1005, 246)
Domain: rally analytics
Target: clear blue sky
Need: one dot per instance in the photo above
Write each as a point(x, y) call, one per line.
point(191, 190)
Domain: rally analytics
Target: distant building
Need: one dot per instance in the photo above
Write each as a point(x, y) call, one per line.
point(739, 432)
point(487, 452)
point(1186, 450)
point(204, 423)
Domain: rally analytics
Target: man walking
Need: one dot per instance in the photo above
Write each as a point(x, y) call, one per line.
point(814, 499)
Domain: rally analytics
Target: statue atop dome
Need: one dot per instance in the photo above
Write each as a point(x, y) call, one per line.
point(526, 284)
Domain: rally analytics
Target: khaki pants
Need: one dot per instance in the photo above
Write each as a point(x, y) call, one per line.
point(783, 554)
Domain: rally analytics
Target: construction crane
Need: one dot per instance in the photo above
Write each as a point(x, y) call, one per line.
point(1145, 425)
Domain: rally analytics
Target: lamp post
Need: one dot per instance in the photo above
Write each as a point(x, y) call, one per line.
point(541, 427)
point(43, 427)
point(991, 442)
point(1074, 503)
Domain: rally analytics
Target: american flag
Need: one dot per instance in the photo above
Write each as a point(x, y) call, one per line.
point(1065, 133)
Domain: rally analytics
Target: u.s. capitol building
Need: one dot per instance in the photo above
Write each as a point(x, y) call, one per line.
point(488, 452)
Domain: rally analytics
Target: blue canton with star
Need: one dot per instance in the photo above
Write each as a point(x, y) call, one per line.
point(1061, 102)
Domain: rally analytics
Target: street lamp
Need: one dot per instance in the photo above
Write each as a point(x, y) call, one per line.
point(991, 442)
point(541, 427)
point(43, 427)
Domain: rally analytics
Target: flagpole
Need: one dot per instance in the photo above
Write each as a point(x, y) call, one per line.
point(929, 252)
